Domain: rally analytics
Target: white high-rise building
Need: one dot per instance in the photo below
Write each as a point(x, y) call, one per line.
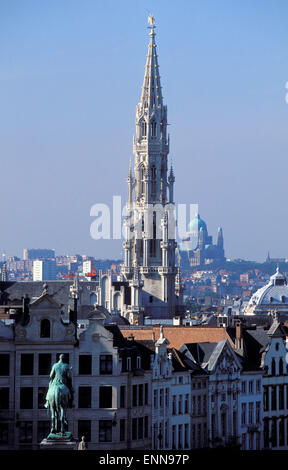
point(44, 270)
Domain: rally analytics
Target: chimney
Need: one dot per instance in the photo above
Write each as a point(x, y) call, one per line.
point(239, 335)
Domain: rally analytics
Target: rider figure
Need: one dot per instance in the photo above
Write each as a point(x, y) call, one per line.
point(60, 375)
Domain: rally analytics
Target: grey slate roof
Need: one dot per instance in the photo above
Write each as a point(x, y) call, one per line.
point(200, 352)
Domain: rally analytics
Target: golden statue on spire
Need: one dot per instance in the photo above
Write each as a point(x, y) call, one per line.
point(151, 20)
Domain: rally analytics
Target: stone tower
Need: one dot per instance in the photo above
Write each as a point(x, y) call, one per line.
point(149, 246)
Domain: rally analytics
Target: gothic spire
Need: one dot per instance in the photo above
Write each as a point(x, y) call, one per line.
point(151, 89)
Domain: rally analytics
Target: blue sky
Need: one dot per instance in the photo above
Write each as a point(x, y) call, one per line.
point(70, 78)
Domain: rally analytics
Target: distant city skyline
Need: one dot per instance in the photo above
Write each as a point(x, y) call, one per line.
point(71, 76)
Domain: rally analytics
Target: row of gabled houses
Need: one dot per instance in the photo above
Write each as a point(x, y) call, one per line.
point(145, 387)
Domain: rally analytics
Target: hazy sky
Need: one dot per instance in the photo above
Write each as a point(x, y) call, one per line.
point(70, 78)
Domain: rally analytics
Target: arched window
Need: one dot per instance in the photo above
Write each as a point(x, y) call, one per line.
point(45, 328)
point(153, 128)
point(153, 180)
point(141, 180)
point(144, 129)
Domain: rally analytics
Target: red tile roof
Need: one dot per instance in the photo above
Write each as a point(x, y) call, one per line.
point(179, 335)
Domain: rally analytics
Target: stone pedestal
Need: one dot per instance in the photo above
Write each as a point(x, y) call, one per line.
point(59, 442)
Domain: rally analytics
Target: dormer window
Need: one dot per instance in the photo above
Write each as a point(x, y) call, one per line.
point(283, 299)
point(138, 362)
point(45, 329)
point(271, 299)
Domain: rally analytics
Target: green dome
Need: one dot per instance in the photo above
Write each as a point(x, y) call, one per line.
point(196, 224)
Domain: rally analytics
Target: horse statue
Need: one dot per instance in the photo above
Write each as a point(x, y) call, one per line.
point(59, 396)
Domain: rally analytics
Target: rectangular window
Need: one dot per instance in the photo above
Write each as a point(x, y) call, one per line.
point(180, 410)
point(266, 433)
point(273, 397)
point(85, 364)
point(258, 386)
point(4, 398)
point(27, 364)
point(243, 414)
point(266, 398)
point(193, 406)
point(186, 437)
point(243, 441)
point(251, 438)
point(43, 428)
point(122, 429)
point(4, 430)
point(281, 433)
point(84, 397)
point(4, 364)
point(223, 423)
point(134, 395)
point(155, 399)
point(25, 432)
point(199, 434)
point(155, 434)
point(281, 397)
point(186, 403)
point(128, 364)
point(105, 397)
point(193, 435)
point(84, 429)
point(213, 425)
point(243, 387)
point(161, 397)
point(251, 412)
point(105, 431)
point(257, 440)
point(205, 434)
point(204, 405)
point(166, 435)
point(42, 391)
point(44, 364)
point(174, 405)
point(140, 428)
point(258, 408)
point(274, 432)
point(134, 429)
point(26, 398)
point(250, 386)
point(122, 396)
point(199, 405)
point(146, 394)
point(167, 397)
point(106, 364)
point(173, 436)
point(140, 394)
point(146, 428)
